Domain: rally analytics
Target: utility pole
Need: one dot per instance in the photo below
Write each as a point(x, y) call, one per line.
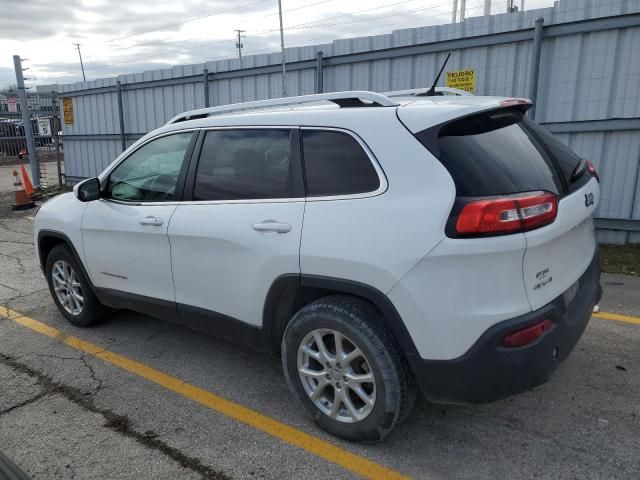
point(84, 79)
point(239, 45)
point(26, 121)
point(487, 8)
point(463, 8)
point(522, 5)
point(284, 68)
point(454, 12)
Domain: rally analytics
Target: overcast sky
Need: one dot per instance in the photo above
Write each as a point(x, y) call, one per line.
point(127, 36)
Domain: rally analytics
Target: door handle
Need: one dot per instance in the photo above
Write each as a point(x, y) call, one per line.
point(151, 220)
point(271, 226)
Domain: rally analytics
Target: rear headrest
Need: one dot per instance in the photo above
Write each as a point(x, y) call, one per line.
point(277, 157)
point(247, 162)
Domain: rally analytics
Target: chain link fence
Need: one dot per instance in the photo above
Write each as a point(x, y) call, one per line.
point(45, 123)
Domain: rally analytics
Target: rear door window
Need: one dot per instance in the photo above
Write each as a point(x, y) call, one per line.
point(336, 164)
point(244, 164)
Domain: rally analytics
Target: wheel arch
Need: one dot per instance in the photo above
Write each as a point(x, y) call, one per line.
point(48, 240)
point(289, 293)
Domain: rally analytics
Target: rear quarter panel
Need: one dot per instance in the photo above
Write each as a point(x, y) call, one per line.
point(377, 240)
point(463, 287)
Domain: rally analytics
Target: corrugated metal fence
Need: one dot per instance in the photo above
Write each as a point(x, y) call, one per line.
point(588, 87)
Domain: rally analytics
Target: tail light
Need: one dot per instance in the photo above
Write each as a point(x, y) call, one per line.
point(528, 335)
point(511, 214)
point(592, 170)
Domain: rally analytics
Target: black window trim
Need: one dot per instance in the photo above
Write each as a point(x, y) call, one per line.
point(383, 185)
point(179, 195)
point(297, 178)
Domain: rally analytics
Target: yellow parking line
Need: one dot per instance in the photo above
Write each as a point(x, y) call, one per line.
point(284, 432)
point(617, 317)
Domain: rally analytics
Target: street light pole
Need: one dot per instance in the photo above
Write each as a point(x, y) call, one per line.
point(84, 79)
point(284, 68)
point(26, 121)
point(239, 45)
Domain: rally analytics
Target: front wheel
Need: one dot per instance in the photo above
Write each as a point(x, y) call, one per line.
point(70, 288)
point(345, 367)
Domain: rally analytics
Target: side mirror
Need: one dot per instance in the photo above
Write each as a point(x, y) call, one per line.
point(88, 190)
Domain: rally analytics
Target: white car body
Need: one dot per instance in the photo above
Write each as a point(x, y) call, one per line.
point(207, 256)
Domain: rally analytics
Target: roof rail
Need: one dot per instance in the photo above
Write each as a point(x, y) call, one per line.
point(344, 99)
point(417, 92)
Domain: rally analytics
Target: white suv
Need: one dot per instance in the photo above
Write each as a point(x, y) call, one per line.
point(381, 243)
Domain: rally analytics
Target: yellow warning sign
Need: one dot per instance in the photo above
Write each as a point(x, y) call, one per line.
point(67, 109)
point(463, 80)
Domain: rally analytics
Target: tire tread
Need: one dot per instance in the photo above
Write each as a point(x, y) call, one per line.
point(367, 319)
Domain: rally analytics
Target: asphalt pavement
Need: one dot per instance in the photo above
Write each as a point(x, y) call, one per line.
point(135, 397)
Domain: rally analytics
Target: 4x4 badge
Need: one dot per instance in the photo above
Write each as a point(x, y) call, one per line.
point(588, 199)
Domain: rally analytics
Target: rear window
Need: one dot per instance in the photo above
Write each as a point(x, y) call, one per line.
point(500, 152)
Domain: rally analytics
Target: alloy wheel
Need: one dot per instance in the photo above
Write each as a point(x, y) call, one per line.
point(67, 287)
point(336, 375)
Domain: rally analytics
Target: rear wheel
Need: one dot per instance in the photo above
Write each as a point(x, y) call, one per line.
point(70, 288)
point(346, 369)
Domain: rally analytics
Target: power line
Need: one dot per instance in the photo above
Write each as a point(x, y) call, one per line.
point(265, 32)
point(333, 36)
point(366, 10)
point(307, 41)
point(302, 7)
point(310, 24)
point(207, 43)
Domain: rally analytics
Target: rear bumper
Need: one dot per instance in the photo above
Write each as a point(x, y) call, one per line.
point(489, 371)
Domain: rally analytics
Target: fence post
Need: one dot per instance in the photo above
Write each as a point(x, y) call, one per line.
point(535, 66)
point(319, 74)
point(26, 122)
point(56, 126)
point(123, 143)
point(205, 79)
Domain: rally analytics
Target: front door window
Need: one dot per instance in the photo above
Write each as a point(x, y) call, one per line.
point(150, 174)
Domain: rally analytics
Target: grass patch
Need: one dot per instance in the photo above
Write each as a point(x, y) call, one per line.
point(621, 259)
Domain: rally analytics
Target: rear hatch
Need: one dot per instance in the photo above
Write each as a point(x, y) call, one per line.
point(513, 177)
point(558, 254)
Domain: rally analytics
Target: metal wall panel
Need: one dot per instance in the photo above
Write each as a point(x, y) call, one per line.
point(590, 71)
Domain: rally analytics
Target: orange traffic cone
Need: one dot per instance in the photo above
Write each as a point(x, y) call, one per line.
point(22, 201)
point(28, 186)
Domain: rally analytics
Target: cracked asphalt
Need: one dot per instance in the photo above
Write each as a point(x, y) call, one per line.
point(69, 415)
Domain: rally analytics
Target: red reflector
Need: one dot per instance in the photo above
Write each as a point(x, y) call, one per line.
point(527, 335)
point(508, 214)
point(592, 170)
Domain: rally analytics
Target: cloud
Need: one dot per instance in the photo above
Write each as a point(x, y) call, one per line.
point(7, 77)
point(29, 19)
point(125, 36)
